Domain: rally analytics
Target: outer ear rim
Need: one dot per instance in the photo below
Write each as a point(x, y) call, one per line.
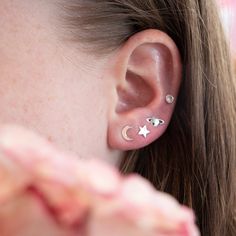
point(117, 122)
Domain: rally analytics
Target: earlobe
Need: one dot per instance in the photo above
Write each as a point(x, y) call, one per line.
point(149, 78)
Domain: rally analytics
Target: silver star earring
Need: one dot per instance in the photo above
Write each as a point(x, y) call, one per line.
point(170, 99)
point(155, 121)
point(143, 131)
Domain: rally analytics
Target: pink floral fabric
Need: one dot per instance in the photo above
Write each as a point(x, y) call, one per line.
point(50, 193)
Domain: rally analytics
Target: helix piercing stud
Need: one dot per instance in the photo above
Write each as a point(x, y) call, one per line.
point(170, 99)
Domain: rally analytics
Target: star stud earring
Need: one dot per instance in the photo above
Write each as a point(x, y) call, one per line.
point(143, 131)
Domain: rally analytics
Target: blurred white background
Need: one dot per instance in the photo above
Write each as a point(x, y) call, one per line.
point(228, 11)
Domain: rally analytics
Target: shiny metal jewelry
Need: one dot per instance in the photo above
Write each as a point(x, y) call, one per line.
point(144, 131)
point(155, 121)
point(170, 99)
point(124, 133)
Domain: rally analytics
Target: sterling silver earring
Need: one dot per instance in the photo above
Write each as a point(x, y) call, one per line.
point(155, 121)
point(144, 131)
point(170, 99)
point(124, 133)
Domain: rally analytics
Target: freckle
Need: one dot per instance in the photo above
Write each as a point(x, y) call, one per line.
point(49, 139)
point(38, 27)
point(25, 108)
point(28, 51)
point(50, 98)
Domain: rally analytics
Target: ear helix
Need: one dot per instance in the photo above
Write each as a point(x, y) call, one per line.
point(143, 131)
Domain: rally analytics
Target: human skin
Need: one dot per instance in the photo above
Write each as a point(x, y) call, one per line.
point(76, 100)
point(46, 86)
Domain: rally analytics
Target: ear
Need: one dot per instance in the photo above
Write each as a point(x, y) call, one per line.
point(145, 70)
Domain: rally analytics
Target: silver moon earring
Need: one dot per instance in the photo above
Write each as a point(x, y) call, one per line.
point(124, 133)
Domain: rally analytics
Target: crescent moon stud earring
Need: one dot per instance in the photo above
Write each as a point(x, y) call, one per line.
point(124, 133)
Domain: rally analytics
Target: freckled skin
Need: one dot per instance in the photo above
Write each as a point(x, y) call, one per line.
point(47, 85)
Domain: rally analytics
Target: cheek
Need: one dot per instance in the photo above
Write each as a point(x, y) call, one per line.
point(76, 118)
point(85, 117)
point(42, 90)
point(67, 107)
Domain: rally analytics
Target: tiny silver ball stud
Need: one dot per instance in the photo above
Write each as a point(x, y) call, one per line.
point(170, 99)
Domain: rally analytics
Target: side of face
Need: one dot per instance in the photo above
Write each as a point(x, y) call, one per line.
point(77, 101)
point(47, 85)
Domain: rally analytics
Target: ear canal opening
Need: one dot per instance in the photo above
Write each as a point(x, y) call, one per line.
point(136, 93)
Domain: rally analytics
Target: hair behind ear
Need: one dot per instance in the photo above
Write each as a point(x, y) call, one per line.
point(195, 159)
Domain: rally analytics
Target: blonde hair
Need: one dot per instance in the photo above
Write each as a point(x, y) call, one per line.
point(195, 159)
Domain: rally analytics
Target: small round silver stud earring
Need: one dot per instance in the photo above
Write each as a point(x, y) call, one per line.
point(170, 99)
